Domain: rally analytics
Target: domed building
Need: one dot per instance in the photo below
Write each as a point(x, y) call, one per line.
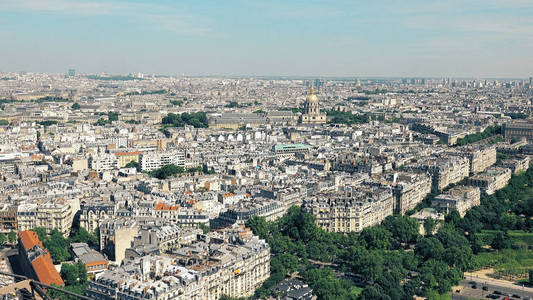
point(312, 113)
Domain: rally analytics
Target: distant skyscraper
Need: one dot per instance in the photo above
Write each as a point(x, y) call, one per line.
point(71, 72)
point(530, 80)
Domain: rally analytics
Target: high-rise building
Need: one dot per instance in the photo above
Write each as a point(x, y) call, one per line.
point(71, 72)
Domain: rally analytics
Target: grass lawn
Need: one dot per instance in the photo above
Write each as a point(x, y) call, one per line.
point(516, 236)
point(511, 264)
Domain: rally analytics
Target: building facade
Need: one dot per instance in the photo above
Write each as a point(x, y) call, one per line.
point(351, 210)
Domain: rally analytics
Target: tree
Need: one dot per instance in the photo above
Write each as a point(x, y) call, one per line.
point(83, 236)
point(500, 241)
point(69, 274)
point(12, 236)
point(167, 171)
point(453, 217)
point(429, 226)
point(369, 264)
point(530, 273)
point(3, 239)
point(437, 275)
point(373, 292)
point(404, 229)
point(111, 116)
point(205, 228)
point(376, 237)
point(449, 237)
point(75, 106)
point(132, 164)
point(476, 243)
point(259, 226)
point(429, 248)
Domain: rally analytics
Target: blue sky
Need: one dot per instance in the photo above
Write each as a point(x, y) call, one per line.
point(467, 38)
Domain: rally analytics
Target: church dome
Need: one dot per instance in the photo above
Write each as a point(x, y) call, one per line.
point(312, 97)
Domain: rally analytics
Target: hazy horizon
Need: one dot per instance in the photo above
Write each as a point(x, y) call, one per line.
point(460, 39)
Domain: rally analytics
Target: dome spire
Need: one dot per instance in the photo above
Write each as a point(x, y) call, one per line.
point(312, 91)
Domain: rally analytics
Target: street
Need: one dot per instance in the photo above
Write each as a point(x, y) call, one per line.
point(467, 292)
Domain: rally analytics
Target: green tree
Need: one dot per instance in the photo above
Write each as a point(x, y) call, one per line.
point(167, 171)
point(75, 106)
point(259, 226)
point(429, 248)
point(69, 274)
point(429, 226)
point(369, 264)
point(132, 164)
point(371, 292)
point(112, 116)
point(83, 236)
point(12, 236)
point(530, 273)
point(205, 228)
point(453, 217)
point(376, 237)
point(3, 239)
point(404, 229)
point(500, 241)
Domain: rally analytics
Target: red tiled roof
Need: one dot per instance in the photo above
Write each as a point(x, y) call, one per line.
point(29, 239)
point(42, 265)
point(127, 153)
point(163, 206)
point(45, 270)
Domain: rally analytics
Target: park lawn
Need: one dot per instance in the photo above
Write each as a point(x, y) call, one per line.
point(516, 236)
point(507, 262)
point(432, 295)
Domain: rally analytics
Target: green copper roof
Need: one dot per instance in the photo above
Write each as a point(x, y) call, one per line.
point(291, 146)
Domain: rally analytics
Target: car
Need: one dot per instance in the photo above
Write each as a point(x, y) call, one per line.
point(485, 288)
point(516, 296)
point(474, 286)
point(472, 282)
point(497, 292)
point(492, 296)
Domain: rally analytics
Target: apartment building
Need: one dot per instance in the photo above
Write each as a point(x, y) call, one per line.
point(103, 162)
point(92, 213)
point(460, 198)
point(351, 210)
point(444, 170)
point(50, 215)
point(233, 262)
point(517, 164)
point(290, 150)
point(408, 189)
point(126, 157)
point(480, 157)
point(8, 218)
point(153, 160)
point(518, 129)
point(491, 180)
point(245, 209)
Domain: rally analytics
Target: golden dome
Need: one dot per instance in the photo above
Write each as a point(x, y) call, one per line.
point(312, 97)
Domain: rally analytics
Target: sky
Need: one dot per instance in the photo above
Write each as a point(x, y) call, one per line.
point(390, 38)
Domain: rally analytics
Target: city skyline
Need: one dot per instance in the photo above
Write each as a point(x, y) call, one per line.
point(313, 38)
